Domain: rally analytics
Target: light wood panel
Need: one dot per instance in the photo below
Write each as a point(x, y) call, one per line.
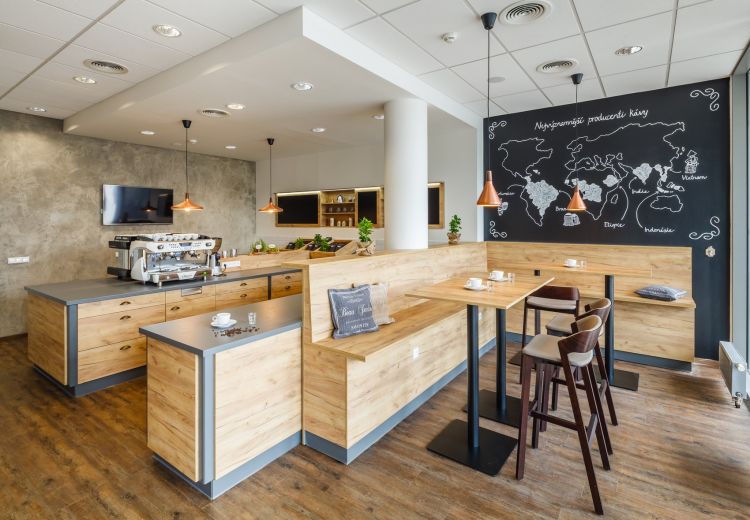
point(86, 310)
point(173, 406)
point(196, 293)
point(252, 285)
point(225, 301)
point(286, 284)
point(267, 260)
point(111, 359)
point(324, 389)
point(258, 398)
point(47, 325)
point(107, 329)
point(187, 308)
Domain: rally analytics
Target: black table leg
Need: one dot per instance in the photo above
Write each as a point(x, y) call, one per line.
point(464, 441)
point(618, 378)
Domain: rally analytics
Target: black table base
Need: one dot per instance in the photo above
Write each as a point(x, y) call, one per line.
point(623, 379)
point(488, 408)
point(494, 448)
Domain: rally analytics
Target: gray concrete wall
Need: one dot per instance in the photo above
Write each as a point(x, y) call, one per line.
point(50, 201)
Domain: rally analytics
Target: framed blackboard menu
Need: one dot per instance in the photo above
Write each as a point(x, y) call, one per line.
point(435, 205)
point(301, 209)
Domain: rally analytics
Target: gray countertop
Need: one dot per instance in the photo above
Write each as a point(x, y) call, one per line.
point(84, 291)
point(196, 335)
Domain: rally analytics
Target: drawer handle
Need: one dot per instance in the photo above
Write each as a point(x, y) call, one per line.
point(243, 284)
point(125, 347)
point(288, 277)
point(126, 317)
point(175, 308)
point(126, 302)
point(288, 287)
point(243, 295)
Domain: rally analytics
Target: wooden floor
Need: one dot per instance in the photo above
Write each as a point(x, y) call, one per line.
point(682, 451)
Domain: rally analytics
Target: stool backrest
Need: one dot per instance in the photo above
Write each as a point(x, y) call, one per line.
point(558, 292)
point(600, 308)
point(585, 338)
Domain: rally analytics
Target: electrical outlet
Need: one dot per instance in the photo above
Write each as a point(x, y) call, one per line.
point(18, 260)
point(415, 353)
point(232, 263)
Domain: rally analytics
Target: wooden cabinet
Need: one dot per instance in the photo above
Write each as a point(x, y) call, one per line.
point(225, 301)
point(111, 359)
point(286, 284)
point(254, 285)
point(187, 308)
point(86, 310)
point(116, 327)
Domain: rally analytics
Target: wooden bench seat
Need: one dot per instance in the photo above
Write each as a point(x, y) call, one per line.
point(409, 322)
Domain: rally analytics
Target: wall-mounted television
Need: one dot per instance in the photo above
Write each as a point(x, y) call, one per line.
point(128, 205)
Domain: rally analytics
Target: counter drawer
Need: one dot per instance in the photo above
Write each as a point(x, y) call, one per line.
point(111, 359)
point(224, 301)
point(187, 308)
point(286, 284)
point(86, 310)
point(251, 285)
point(194, 293)
point(109, 329)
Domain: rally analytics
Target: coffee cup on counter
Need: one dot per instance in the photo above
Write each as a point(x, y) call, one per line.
point(571, 262)
point(222, 318)
point(497, 275)
point(474, 283)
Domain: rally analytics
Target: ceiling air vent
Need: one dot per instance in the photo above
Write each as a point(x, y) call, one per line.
point(213, 112)
point(521, 13)
point(553, 67)
point(108, 67)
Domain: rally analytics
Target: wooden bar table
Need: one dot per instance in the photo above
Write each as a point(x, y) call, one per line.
point(464, 441)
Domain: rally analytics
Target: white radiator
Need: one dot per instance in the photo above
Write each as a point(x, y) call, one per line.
point(734, 371)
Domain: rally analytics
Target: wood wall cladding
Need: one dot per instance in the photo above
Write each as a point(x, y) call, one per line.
point(47, 323)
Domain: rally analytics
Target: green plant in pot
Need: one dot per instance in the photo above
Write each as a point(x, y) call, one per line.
point(259, 247)
point(299, 243)
point(454, 233)
point(365, 245)
point(321, 244)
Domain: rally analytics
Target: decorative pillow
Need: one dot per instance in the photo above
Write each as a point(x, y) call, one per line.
point(379, 299)
point(661, 292)
point(351, 311)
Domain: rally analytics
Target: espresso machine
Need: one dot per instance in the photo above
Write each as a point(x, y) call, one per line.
point(161, 257)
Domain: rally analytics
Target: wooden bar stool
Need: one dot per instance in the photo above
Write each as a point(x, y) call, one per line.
point(560, 325)
point(552, 298)
point(548, 353)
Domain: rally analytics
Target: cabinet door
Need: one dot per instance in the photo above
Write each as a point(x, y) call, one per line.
point(286, 284)
point(113, 328)
point(111, 359)
point(224, 301)
point(187, 308)
point(252, 285)
point(87, 310)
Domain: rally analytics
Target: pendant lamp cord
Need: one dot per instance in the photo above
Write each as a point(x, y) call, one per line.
point(270, 172)
point(489, 151)
point(187, 182)
point(576, 127)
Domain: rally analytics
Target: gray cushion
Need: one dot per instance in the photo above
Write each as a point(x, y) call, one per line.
point(661, 292)
point(545, 347)
point(351, 311)
point(560, 324)
point(549, 303)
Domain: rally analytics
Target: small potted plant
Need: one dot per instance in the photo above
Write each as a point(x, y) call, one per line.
point(454, 235)
point(321, 244)
point(260, 247)
point(299, 243)
point(365, 245)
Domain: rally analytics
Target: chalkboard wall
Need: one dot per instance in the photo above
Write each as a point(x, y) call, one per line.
point(653, 169)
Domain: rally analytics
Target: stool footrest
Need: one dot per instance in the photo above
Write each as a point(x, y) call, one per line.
point(554, 420)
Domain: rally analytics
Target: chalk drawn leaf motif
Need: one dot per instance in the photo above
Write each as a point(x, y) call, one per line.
point(708, 235)
point(493, 125)
point(711, 94)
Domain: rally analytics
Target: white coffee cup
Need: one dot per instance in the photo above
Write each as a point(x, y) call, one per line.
point(497, 275)
point(474, 283)
point(571, 262)
point(222, 318)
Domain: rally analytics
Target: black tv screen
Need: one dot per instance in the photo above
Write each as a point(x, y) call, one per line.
point(125, 205)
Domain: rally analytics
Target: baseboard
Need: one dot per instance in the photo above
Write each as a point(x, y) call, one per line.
point(96, 384)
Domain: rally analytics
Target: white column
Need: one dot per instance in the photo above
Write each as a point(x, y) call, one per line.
point(406, 174)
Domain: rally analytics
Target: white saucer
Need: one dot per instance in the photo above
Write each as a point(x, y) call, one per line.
point(228, 324)
point(571, 266)
point(503, 279)
point(480, 288)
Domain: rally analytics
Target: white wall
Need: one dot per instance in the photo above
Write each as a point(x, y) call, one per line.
point(452, 157)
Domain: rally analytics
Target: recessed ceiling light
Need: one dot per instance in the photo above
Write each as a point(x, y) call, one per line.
point(193, 141)
point(84, 79)
point(496, 79)
point(231, 147)
point(449, 37)
point(166, 30)
point(302, 86)
point(36, 109)
point(379, 117)
point(627, 51)
point(318, 130)
point(235, 106)
point(148, 132)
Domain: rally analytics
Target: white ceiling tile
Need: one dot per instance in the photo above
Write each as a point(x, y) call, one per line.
point(521, 102)
point(387, 41)
point(234, 18)
point(42, 18)
point(703, 69)
point(106, 84)
point(88, 8)
point(516, 80)
point(17, 104)
point(129, 47)
point(75, 55)
point(27, 42)
point(480, 107)
point(381, 6)
point(602, 13)
point(41, 91)
point(138, 17)
point(635, 81)
point(557, 23)
point(711, 28)
point(17, 62)
point(447, 82)
point(651, 33)
point(341, 13)
point(685, 3)
point(8, 78)
point(427, 20)
point(588, 90)
point(568, 48)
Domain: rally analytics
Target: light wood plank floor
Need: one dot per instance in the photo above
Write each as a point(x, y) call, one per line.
point(682, 451)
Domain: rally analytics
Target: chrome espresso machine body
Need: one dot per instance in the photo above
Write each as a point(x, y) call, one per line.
point(162, 257)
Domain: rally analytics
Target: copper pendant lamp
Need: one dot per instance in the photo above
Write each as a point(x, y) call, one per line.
point(576, 203)
point(187, 204)
point(489, 197)
point(270, 207)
